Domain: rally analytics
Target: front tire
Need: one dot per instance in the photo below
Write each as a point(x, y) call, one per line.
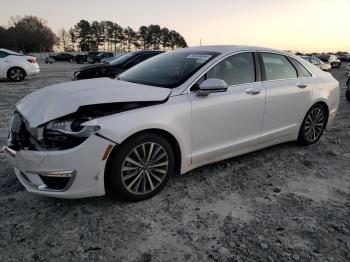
point(313, 125)
point(16, 74)
point(140, 168)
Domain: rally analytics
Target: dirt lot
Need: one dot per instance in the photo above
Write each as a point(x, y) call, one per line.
point(285, 203)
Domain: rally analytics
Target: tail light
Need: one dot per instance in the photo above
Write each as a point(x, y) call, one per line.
point(32, 60)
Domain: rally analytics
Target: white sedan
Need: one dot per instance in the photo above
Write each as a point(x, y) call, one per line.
point(170, 114)
point(16, 67)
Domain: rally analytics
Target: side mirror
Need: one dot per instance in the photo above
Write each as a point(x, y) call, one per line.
point(212, 85)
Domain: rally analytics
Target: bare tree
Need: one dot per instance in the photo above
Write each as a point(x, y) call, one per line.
point(64, 39)
point(72, 38)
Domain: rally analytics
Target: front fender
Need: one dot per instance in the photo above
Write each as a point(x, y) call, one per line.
point(173, 117)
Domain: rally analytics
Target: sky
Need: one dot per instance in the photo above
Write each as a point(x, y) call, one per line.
point(297, 25)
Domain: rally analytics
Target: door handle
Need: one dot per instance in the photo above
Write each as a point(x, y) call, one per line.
point(301, 85)
point(253, 91)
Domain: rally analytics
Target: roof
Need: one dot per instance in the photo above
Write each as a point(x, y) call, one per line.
point(147, 51)
point(227, 48)
point(9, 51)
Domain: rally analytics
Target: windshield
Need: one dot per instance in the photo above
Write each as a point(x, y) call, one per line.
point(122, 59)
point(168, 70)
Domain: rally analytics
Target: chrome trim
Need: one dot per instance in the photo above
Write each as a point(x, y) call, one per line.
point(43, 187)
point(9, 151)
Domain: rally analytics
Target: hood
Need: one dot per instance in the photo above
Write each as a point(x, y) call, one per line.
point(55, 101)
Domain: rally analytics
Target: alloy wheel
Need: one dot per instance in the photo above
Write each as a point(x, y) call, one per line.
point(16, 74)
point(314, 124)
point(144, 168)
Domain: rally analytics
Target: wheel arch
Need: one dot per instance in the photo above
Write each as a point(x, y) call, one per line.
point(324, 105)
point(166, 134)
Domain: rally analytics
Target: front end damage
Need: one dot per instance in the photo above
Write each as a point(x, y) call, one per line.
point(64, 157)
point(56, 148)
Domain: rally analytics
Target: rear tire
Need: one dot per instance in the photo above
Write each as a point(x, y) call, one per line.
point(140, 167)
point(16, 74)
point(313, 125)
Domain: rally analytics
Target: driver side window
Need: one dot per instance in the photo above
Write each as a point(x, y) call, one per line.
point(234, 70)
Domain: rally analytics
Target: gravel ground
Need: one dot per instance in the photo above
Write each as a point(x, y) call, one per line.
point(284, 203)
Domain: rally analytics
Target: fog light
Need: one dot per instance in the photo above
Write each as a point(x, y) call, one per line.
point(68, 174)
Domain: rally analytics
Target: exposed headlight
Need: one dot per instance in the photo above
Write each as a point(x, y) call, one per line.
point(72, 127)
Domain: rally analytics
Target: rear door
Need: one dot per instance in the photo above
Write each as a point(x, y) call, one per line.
point(288, 86)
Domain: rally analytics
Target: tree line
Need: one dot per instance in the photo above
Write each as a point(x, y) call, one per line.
point(110, 36)
point(32, 34)
point(27, 34)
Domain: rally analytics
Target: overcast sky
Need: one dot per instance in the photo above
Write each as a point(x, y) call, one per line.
point(303, 25)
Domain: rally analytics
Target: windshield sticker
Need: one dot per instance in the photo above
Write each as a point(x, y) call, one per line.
point(199, 57)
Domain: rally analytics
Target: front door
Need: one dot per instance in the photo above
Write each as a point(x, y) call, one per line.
point(223, 123)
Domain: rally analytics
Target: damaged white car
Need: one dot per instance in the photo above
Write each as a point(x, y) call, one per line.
point(170, 114)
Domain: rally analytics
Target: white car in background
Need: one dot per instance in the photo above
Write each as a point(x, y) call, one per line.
point(170, 114)
point(15, 66)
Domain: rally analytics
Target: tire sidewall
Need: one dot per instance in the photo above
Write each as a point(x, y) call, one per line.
point(113, 181)
point(302, 138)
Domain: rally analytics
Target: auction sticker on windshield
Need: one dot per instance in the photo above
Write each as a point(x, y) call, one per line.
point(200, 57)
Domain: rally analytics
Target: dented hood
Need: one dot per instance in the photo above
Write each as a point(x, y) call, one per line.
point(59, 100)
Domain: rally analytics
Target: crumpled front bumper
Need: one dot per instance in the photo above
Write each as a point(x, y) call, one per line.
point(84, 165)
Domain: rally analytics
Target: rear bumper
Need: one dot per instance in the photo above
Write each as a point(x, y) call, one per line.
point(82, 168)
point(33, 69)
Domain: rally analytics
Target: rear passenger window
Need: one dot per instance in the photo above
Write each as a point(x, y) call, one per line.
point(278, 67)
point(302, 71)
point(237, 69)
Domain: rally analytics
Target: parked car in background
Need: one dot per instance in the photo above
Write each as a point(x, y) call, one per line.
point(60, 57)
point(170, 114)
point(347, 68)
point(344, 57)
point(101, 56)
point(116, 67)
point(331, 59)
point(110, 59)
point(319, 63)
point(83, 58)
point(348, 88)
point(15, 66)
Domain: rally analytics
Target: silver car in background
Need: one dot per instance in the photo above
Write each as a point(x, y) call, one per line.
point(319, 63)
point(170, 114)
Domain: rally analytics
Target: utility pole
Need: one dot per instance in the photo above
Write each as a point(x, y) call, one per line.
point(200, 42)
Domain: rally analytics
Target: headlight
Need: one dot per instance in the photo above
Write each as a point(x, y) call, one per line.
point(72, 127)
